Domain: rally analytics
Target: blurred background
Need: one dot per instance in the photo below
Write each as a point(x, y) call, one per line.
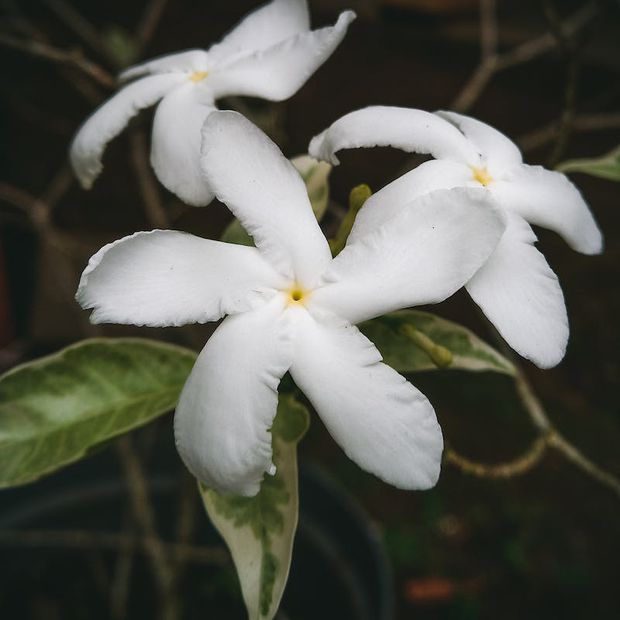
point(541, 544)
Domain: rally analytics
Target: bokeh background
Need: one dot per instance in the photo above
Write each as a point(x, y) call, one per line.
point(543, 544)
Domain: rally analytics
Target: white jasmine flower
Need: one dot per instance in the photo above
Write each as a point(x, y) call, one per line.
point(291, 307)
point(270, 54)
point(516, 288)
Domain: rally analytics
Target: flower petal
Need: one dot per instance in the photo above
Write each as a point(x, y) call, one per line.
point(519, 293)
point(389, 201)
point(182, 62)
point(248, 172)
point(278, 72)
point(380, 420)
point(165, 277)
point(411, 130)
point(110, 119)
point(494, 146)
point(421, 256)
point(175, 150)
point(229, 402)
point(547, 198)
point(262, 28)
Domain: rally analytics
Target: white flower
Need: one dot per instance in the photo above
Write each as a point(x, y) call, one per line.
point(270, 54)
point(291, 307)
point(516, 288)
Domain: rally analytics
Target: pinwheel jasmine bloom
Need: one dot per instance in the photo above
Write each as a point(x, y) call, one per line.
point(516, 288)
point(270, 54)
point(290, 307)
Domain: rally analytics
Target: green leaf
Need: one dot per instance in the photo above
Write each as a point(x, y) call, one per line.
point(316, 177)
point(606, 167)
point(56, 410)
point(259, 530)
point(468, 351)
point(235, 233)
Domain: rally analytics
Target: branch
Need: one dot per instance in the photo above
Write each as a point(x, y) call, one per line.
point(521, 465)
point(492, 61)
point(155, 211)
point(148, 23)
point(582, 123)
point(145, 516)
point(73, 58)
point(80, 26)
point(86, 540)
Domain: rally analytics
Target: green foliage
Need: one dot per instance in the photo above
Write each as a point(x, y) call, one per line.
point(606, 167)
point(56, 410)
point(315, 175)
point(403, 354)
point(259, 530)
point(121, 45)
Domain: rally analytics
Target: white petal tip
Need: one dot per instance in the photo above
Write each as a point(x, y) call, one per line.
point(272, 470)
point(346, 17)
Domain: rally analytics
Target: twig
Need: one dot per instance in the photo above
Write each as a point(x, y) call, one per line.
point(144, 514)
point(581, 123)
point(521, 465)
point(72, 58)
point(568, 47)
point(121, 578)
point(155, 211)
point(85, 540)
point(492, 61)
point(537, 414)
point(80, 26)
point(148, 23)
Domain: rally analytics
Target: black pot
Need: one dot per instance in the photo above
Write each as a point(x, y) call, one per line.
point(340, 569)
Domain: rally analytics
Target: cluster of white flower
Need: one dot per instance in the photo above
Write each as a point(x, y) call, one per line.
point(458, 220)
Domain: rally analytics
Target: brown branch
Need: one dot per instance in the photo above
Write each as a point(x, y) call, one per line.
point(581, 123)
point(488, 58)
point(521, 465)
point(145, 517)
point(72, 58)
point(85, 540)
point(81, 27)
point(148, 23)
point(155, 211)
point(492, 61)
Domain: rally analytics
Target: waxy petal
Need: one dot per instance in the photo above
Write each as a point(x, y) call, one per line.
point(499, 151)
point(248, 172)
point(266, 26)
point(175, 150)
point(111, 118)
point(411, 130)
point(421, 256)
point(278, 72)
point(229, 402)
point(519, 293)
point(182, 62)
point(380, 420)
point(169, 278)
point(389, 201)
point(548, 199)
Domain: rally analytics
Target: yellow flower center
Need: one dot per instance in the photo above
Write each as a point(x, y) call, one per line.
point(481, 175)
point(198, 76)
point(296, 295)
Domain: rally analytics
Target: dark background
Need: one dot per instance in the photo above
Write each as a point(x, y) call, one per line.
point(541, 545)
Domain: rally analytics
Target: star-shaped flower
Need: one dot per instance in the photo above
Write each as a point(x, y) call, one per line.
point(291, 307)
point(516, 289)
point(270, 54)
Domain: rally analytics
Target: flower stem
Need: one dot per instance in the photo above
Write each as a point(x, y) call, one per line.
point(441, 357)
